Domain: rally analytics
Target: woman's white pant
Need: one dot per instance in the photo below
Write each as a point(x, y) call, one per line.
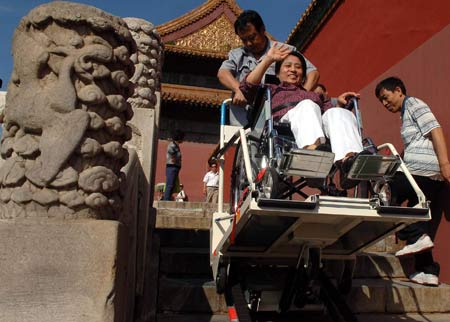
point(338, 124)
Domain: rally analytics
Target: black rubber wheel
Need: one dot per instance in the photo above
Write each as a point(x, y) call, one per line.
point(239, 179)
point(314, 263)
point(221, 279)
point(270, 184)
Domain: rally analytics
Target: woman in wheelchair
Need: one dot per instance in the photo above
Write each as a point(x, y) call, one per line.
point(312, 118)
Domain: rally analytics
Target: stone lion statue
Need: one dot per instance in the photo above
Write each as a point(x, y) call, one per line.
point(66, 113)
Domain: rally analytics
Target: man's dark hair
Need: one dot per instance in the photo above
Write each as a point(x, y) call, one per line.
point(390, 84)
point(302, 61)
point(1, 83)
point(322, 86)
point(248, 16)
point(177, 135)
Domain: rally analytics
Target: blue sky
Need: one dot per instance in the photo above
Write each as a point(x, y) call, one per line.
point(280, 17)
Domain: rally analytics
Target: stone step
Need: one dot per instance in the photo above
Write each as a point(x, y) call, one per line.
point(367, 296)
point(184, 215)
point(184, 261)
point(183, 238)
point(413, 317)
point(194, 295)
point(373, 265)
point(199, 206)
point(294, 317)
point(388, 245)
point(397, 296)
point(427, 317)
point(182, 219)
point(189, 260)
point(192, 318)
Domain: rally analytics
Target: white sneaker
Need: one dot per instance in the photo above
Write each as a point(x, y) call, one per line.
point(422, 244)
point(424, 279)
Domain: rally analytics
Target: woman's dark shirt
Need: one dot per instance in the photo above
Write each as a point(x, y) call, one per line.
point(285, 93)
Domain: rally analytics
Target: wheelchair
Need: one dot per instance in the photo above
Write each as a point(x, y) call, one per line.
point(281, 170)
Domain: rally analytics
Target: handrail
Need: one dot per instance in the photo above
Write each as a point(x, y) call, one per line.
point(357, 115)
point(246, 156)
point(223, 110)
point(420, 195)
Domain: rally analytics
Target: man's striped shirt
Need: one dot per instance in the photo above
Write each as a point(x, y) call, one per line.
point(417, 123)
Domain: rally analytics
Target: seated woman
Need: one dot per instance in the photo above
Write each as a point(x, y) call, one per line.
point(303, 110)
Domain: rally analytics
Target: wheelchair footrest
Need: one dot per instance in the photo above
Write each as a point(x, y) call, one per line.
point(370, 167)
point(307, 163)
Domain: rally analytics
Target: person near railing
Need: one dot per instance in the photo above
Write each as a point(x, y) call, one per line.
point(211, 184)
point(426, 158)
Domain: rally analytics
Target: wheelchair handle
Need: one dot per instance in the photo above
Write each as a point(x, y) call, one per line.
point(353, 102)
point(223, 110)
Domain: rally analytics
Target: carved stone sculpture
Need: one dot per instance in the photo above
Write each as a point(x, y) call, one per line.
point(148, 62)
point(66, 113)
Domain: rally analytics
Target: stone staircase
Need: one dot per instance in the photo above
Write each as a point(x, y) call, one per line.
point(186, 290)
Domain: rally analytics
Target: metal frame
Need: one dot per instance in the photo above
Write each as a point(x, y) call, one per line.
point(366, 209)
point(315, 223)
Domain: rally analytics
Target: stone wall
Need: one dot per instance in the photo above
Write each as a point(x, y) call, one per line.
point(75, 199)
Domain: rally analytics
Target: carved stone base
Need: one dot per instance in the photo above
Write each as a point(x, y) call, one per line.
point(63, 271)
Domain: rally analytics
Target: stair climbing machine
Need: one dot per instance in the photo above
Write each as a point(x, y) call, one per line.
point(271, 251)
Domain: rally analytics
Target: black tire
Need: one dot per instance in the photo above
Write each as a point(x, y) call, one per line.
point(239, 179)
point(237, 173)
point(221, 279)
point(270, 184)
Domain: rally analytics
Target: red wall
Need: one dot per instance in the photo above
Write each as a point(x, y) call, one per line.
point(364, 38)
point(363, 43)
point(194, 166)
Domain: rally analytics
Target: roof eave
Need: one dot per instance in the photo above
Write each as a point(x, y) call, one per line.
point(195, 15)
point(194, 52)
point(193, 95)
point(311, 21)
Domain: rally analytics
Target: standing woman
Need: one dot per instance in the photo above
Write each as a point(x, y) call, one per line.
point(173, 163)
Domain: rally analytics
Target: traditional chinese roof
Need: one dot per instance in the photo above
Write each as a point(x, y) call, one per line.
point(206, 31)
point(193, 95)
point(311, 21)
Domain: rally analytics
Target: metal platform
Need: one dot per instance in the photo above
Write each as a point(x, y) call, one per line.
point(341, 227)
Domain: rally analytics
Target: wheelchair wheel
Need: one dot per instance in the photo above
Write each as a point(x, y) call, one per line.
point(270, 184)
point(222, 278)
point(239, 179)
